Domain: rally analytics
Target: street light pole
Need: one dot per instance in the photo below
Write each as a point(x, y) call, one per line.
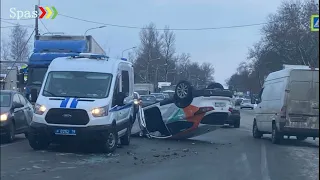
point(127, 50)
point(93, 28)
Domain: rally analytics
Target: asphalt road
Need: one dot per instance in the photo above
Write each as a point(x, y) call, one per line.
point(224, 154)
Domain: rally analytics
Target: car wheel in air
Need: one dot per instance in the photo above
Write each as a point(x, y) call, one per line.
point(183, 94)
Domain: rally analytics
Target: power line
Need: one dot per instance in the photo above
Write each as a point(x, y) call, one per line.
point(30, 26)
point(17, 19)
point(174, 29)
point(137, 27)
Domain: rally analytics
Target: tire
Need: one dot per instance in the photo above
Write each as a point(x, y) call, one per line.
point(110, 145)
point(301, 138)
point(276, 136)
point(255, 131)
point(36, 143)
point(183, 94)
point(26, 135)
point(125, 140)
point(236, 123)
point(10, 136)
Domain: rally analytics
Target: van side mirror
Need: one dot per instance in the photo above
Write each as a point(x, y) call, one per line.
point(16, 105)
point(34, 95)
point(120, 98)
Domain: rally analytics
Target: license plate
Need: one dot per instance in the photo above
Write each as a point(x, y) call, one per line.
point(67, 132)
point(220, 104)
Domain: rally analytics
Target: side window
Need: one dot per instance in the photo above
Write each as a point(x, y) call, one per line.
point(22, 99)
point(116, 91)
point(260, 94)
point(16, 99)
point(125, 82)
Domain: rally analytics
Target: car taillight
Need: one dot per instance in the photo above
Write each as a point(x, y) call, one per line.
point(283, 112)
point(230, 109)
point(203, 110)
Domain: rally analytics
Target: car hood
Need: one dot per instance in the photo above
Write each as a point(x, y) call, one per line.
point(4, 109)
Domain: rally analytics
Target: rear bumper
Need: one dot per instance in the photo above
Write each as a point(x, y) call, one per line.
point(89, 133)
point(293, 131)
point(216, 118)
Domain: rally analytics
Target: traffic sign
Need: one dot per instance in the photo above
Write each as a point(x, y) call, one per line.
point(315, 22)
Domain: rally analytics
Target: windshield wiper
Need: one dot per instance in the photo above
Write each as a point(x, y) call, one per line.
point(52, 94)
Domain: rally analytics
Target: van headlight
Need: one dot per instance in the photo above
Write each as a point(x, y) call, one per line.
point(4, 117)
point(100, 112)
point(39, 109)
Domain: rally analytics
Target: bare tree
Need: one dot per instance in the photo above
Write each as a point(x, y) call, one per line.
point(168, 48)
point(148, 54)
point(5, 50)
point(18, 43)
point(286, 39)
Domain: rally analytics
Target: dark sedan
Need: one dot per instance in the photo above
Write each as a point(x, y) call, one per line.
point(148, 100)
point(16, 114)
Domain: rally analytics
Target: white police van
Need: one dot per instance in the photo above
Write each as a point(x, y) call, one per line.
point(86, 97)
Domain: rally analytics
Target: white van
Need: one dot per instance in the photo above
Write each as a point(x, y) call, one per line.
point(87, 97)
point(289, 104)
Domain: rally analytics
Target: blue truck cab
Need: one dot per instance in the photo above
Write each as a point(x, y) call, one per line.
point(47, 48)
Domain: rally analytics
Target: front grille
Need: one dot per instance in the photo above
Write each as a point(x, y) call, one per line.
point(67, 116)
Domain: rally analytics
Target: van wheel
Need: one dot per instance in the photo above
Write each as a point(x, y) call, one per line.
point(110, 145)
point(36, 143)
point(276, 136)
point(125, 140)
point(255, 131)
point(301, 138)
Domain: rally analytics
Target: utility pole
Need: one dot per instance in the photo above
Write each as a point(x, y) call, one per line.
point(36, 27)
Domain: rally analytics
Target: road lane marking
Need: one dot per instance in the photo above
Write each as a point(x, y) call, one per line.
point(264, 163)
point(246, 164)
point(6, 145)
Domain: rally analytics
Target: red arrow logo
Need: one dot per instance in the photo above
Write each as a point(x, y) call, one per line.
point(43, 12)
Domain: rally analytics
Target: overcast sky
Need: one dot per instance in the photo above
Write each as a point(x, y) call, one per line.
point(224, 48)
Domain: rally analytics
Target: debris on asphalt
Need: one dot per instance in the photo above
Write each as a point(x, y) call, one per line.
point(193, 143)
point(195, 152)
point(135, 158)
point(185, 150)
point(175, 154)
point(36, 167)
point(156, 155)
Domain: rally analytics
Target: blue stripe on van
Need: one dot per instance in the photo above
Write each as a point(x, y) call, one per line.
point(64, 103)
point(74, 103)
point(118, 108)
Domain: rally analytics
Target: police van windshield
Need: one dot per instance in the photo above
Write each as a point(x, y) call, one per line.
point(77, 84)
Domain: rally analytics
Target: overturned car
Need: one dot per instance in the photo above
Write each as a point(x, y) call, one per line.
point(188, 113)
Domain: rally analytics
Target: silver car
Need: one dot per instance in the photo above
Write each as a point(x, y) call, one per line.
point(246, 103)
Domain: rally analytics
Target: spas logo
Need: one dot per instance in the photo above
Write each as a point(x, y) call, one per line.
point(44, 12)
point(314, 23)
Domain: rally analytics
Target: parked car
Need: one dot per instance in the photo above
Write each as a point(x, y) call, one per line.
point(148, 99)
point(16, 114)
point(159, 96)
point(246, 103)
